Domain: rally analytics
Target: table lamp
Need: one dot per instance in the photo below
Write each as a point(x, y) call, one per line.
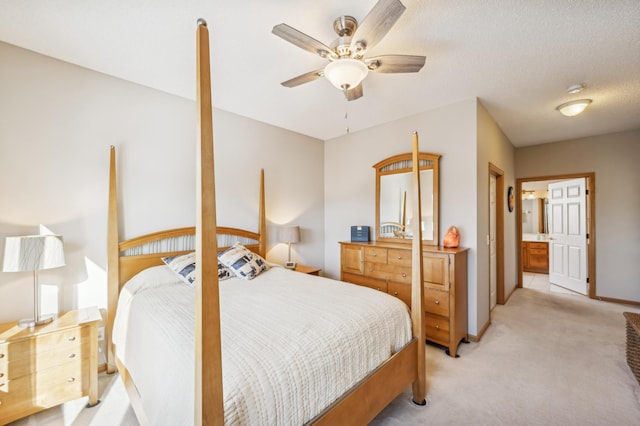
point(33, 253)
point(290, 235)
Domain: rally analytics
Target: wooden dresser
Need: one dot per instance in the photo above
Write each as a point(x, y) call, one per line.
point(387, 267)
point(49, 364)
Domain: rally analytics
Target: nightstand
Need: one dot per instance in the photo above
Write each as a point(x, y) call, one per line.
point(49, 364)
point(307, 270)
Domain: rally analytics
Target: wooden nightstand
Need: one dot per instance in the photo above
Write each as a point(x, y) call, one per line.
point(307, 270)
point(49, 364)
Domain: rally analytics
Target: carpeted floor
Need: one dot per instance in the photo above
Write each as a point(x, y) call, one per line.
point(547, 359)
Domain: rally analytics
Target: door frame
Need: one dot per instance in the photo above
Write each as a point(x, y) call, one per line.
point(590, 179)
point(499, 174)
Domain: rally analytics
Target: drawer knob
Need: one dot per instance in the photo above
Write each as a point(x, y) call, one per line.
point(395, 293)
point(1, 375)
point(1, 356)
point(71, 379)
point(437, 302)
point(437, 327)
point(404, 275)
point(374, 254)
point(399, 257)
point(378, 288)
point(72, 338)
point(72, 355)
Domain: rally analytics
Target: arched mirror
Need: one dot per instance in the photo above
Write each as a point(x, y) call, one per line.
point(395, 220)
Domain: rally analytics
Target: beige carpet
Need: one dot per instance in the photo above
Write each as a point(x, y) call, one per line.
point(547, 359)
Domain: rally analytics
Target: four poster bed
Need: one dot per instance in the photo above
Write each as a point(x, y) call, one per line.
point(278, 348)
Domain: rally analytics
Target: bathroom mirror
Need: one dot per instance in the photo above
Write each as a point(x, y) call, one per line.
point(395, 220)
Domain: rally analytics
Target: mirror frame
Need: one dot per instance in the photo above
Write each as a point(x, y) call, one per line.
point(402, 163)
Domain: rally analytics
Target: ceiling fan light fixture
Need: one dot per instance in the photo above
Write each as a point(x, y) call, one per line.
point(572, 108)
point(346, 73)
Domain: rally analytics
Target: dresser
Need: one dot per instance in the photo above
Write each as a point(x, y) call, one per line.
point(386, 266)
point(49, 364)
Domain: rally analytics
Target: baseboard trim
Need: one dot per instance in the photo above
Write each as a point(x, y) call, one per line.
point(620, 301)
point(482, 331)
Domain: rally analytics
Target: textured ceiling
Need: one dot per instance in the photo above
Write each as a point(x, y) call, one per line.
point(517, 57)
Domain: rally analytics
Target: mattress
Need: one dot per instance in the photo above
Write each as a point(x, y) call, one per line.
point(291, 343)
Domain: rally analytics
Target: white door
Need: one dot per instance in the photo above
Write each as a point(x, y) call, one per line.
point(568, 235)
point(493, 281)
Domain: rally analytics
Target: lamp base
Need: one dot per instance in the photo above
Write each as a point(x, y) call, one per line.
point(30, 323)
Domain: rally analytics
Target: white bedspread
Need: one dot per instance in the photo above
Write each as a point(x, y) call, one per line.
point(291, 343)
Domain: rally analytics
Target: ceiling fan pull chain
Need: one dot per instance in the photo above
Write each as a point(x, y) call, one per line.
point(346, 113)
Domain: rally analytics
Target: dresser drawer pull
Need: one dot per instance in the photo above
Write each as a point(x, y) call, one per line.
point(395, 293)
point(370, 269)
point(399, 257)
point(378, 288)
point(437, 302)
point(72, 338)
point(374, 254)
point(437, 327)
point(1, 356)
point(71, 379)
point(1, 375)
point(72, 355)
point(404, 275)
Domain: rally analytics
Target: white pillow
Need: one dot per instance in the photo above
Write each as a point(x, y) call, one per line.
point(185, 266)
point(243, 262)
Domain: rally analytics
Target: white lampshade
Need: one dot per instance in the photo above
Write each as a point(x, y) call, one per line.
point(572, 108)
point(346, 73)
point(33, 253)
point(290, 234)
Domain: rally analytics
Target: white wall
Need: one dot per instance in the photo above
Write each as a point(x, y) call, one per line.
point(350, 179)
point(495, 148)
point(614, 159)
point(57, 122)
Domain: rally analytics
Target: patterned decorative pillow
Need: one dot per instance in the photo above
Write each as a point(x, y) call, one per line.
point(185, 266)
point(243, 262)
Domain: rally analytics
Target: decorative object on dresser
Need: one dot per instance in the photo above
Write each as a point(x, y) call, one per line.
point(47, 365)
point(290, 235)
point(386, 267)
point(451, 238)
point(360, 233)
point(33, 253)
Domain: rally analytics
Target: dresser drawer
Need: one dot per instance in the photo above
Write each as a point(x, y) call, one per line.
point(437, 329)
point(401, 291)
point(45, 389)
point(436, 302)
point(399, 257)
point(365, 281)
point(375, 254)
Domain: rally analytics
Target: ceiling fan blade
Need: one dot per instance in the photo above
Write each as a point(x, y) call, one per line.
point(396, 63)
point(303, 78)
point(302, 40)
point(355, 93)
point(377, 24)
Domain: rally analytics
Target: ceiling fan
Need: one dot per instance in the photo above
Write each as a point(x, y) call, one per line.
point(347, 65)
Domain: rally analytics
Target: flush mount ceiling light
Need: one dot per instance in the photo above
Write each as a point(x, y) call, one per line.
point(572, 108)
point(569, 109)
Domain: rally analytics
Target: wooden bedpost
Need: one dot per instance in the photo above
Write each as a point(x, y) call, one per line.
point(417, 286)
point(209, 406)
point(262, 225)
point(113, 266)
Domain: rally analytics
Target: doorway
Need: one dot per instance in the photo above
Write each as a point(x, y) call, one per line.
point(534, 221)
point(496, 236)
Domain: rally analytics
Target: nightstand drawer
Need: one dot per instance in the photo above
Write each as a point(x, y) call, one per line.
point(39, 361)
point(45, 389)
point(23, 348)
